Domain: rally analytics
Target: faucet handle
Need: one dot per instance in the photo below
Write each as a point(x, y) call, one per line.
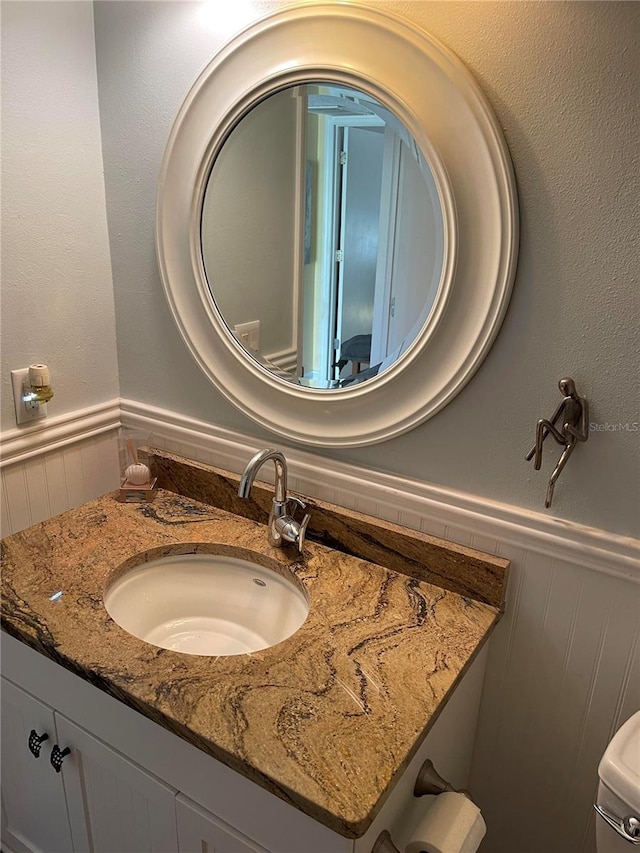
point(298, 503)
point(302, 535)
point(301, 529)
point(287, 529)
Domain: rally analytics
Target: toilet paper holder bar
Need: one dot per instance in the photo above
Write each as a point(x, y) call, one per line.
point(428, 782)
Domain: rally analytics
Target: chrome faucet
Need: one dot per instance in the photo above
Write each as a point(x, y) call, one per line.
point(282, 525)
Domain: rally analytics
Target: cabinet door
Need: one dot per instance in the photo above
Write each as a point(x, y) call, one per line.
point(34, 810)
point(201, 832)
point(124, 808)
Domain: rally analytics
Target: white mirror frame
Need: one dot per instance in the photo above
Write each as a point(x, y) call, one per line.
point(442, 106)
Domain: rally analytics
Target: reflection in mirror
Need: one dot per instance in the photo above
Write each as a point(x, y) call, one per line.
point(322, 235)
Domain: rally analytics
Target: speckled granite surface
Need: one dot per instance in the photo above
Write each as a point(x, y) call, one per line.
point(326, 720)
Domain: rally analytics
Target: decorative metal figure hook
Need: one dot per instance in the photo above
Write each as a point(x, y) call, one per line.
point(573, 414)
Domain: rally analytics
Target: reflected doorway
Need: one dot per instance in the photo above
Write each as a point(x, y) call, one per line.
point(358, 155)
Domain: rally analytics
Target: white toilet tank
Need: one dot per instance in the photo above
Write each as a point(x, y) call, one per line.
point(619, 791)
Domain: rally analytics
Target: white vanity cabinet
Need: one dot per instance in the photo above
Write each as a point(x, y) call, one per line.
point(113, 804)
point(34, 807)
point(97, 801)
point(198, 830)
point(129, 785)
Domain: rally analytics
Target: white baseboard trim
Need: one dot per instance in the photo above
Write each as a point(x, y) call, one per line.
point(558, 538)
point(19, 445)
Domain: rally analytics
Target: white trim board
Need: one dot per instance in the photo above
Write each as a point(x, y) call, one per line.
point(395, 498)
point(410, 502)
point(19, 445)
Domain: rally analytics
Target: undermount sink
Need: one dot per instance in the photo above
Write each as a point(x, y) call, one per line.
point(206, 604)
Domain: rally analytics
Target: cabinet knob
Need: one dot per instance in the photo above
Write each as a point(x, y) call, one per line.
point(35, 742)
point(57, 755)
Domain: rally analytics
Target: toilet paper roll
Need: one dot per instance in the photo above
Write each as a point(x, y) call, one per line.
point(452, 824)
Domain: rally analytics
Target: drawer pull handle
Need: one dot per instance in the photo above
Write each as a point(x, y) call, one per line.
point(57, 756)
point(35, 742)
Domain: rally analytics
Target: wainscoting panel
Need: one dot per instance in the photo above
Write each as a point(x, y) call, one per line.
point(563, 675)
point(564, 663)
point(42, 486)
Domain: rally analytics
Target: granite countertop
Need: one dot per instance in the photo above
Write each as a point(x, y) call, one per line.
point(327, 720)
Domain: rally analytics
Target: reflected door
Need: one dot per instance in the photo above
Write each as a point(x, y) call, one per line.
point(361, 176)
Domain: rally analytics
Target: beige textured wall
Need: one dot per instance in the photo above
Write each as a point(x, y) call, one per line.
point(251, 191)
point(57, 296)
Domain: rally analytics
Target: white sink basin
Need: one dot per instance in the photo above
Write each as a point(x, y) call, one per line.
point(206, 604)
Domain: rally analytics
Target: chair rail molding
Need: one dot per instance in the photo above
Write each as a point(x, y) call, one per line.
point(434, 509)
point(20, 445)
point(410, 502)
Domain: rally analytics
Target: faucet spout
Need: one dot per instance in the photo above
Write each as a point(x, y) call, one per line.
point(283, 527)
point(254, 465)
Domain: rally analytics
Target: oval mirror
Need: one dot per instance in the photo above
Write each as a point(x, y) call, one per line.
point(313, 357)
point(322, 235)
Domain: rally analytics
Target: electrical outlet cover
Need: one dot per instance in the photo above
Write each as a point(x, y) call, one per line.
point(249, 335)
point(25, 412)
